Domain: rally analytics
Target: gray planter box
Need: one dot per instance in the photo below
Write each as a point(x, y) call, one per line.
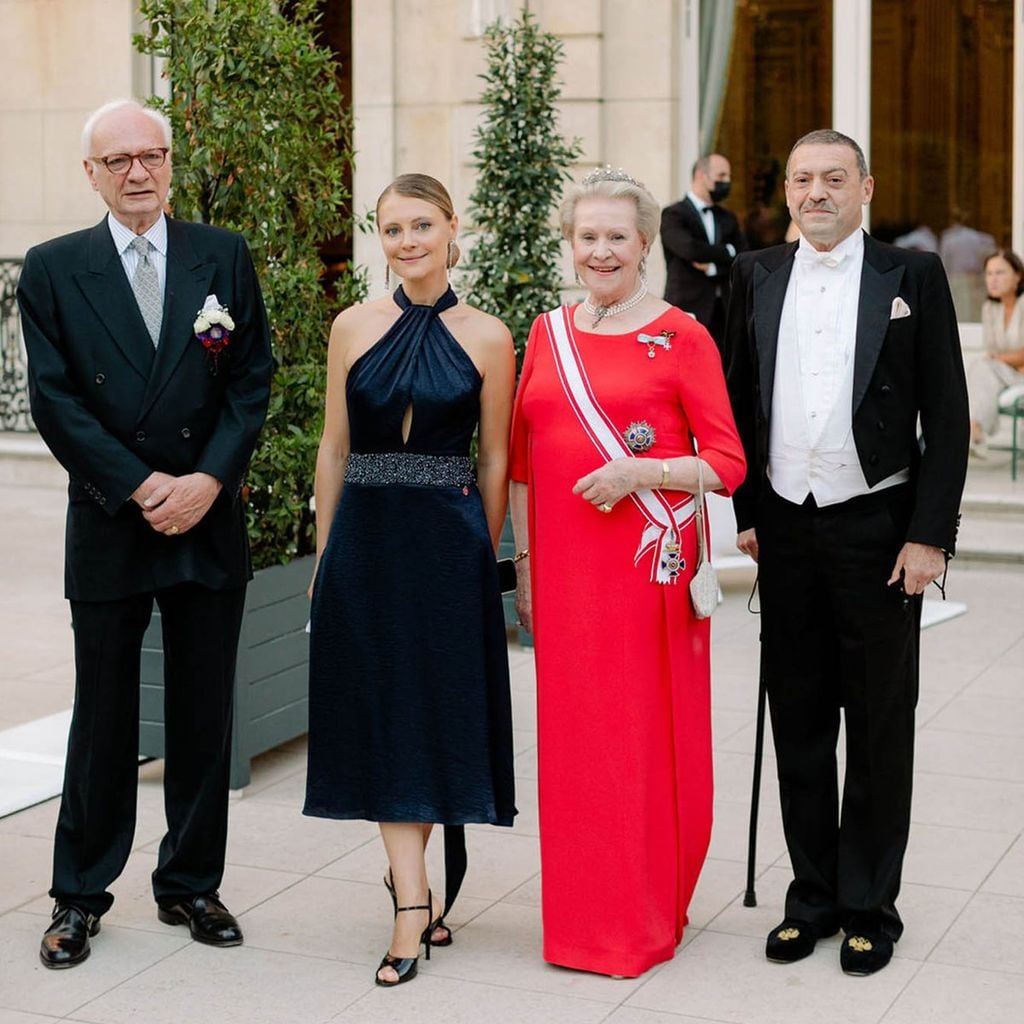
point(271, 682)
point(507, 549)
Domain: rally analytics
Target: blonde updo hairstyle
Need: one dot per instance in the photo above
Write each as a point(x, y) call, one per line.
point(430, 190)
point(648, 212)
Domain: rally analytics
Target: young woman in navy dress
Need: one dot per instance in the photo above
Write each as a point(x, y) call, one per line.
point(410, 713)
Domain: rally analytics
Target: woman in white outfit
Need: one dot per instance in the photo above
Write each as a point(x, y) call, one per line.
point(1002, 334)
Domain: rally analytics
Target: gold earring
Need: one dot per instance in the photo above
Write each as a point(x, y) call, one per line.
point(450, 262)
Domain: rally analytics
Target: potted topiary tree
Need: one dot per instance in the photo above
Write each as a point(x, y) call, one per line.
point(522, 163)
point(262, 141)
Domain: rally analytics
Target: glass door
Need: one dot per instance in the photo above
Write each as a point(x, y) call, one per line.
point(778, 86)
point(942, 95)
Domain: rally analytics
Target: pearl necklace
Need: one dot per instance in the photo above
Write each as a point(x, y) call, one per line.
point(600, 312)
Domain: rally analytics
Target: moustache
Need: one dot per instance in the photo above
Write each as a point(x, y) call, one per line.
point(824, 204)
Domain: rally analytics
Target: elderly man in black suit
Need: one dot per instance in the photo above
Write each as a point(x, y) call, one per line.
point(701, 240)
point(154, 411)
point(837, 347)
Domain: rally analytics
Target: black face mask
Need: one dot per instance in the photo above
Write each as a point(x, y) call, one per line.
point(720, 191)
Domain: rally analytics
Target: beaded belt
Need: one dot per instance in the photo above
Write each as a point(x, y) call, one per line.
point(378, 469)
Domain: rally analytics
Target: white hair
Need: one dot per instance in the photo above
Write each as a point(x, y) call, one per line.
point(648, 212)
point(108, 108)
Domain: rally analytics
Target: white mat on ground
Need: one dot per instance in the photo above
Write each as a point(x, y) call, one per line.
point(725, 556)
point(32, 761)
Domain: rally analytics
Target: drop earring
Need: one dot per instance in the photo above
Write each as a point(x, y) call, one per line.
point(387, 277)
point(450, 262)
point(643, 270)
point(576, 274)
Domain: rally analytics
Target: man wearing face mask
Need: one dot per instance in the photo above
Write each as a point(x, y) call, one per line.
point(701, 239)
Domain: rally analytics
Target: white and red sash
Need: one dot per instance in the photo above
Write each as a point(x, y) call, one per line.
point(664, 520)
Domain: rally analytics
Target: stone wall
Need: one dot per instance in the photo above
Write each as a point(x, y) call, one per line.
point(415, 88)
point(416, 85)
point(61, 59)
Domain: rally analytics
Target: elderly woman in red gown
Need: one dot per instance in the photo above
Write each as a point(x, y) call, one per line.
point(617, 396)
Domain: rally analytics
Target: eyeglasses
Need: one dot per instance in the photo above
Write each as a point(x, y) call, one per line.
point(119, 163)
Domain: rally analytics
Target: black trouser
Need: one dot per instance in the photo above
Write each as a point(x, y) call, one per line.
point(835, 636)
point(96, 824)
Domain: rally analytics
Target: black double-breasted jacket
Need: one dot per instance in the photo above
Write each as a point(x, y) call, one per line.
point(113, 409)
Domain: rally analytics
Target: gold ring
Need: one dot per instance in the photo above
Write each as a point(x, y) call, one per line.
point(604, 507)
point(173, 530)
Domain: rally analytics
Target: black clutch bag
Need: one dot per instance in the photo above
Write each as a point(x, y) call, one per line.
point(506, 575)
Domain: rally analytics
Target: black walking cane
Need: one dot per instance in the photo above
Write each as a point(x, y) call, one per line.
point(750, 896)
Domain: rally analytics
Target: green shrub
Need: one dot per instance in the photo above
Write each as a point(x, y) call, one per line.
point(262, 139)
point(522, 166)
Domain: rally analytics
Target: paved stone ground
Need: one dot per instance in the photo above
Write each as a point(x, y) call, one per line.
point(317, 918)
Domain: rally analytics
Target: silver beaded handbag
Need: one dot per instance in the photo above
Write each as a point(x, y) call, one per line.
point(705, 594)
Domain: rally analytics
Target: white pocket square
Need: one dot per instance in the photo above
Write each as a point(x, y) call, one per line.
point(212, 302)
point(899, 309)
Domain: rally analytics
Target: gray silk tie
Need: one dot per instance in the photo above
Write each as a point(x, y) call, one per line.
point(146, 285)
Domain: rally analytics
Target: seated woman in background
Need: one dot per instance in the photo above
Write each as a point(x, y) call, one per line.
point(1002, 334)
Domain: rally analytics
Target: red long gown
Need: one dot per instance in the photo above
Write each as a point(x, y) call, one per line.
point(623, 692)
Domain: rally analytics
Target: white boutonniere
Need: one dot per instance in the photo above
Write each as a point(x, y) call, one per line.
point(213, 326)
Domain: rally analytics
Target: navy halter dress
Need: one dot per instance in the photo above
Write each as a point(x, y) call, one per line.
point(409, 706)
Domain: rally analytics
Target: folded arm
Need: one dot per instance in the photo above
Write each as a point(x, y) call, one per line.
point(688, 244)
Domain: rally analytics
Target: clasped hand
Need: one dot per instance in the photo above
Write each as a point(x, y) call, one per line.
point(172, 505)
point(610, 483)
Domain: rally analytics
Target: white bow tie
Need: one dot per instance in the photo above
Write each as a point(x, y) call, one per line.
point(825, 259)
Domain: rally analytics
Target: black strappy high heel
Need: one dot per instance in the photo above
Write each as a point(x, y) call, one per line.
point(390, 886)
point(406, 966)
point(438, 923)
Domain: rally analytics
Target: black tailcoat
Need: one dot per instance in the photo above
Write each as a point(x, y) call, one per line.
point(906, 370)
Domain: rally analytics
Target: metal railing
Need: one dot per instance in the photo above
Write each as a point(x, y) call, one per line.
point(14, 411)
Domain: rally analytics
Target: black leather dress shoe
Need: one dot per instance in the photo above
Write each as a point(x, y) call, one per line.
point(793, 940)
point(864, 951)
point(208, 919)
point(66, 942)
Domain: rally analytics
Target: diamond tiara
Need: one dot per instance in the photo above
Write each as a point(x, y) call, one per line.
point(609, 173)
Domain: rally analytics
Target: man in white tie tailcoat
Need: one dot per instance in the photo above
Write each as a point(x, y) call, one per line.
point(839, 349)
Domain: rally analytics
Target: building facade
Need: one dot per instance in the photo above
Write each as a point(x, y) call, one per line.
point(933, 89)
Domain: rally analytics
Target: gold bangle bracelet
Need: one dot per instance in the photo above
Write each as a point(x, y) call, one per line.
point(664, 475)
point(520, 555)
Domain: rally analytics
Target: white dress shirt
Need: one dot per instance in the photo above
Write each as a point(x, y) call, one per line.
point(811, 448)
point(157, 235)
point(707, 217)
